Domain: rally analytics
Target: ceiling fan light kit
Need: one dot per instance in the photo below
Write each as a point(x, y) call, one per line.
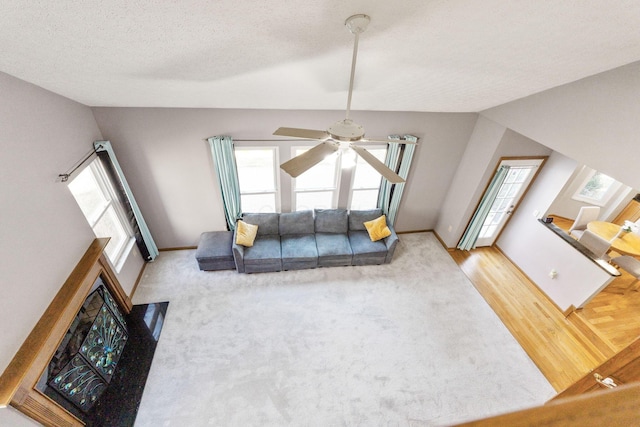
point(343, 134)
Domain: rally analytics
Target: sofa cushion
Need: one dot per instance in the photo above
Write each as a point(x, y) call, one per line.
point(267, 222)
point(299, 251)
point(331, 221)
point(265, 249)
point(377, 228)
point(333, 249)
point(358, 218)
point(246, 233)
point(361, 243)
point(300, 222)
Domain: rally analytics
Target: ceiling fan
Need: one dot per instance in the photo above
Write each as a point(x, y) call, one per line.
point(343, 134)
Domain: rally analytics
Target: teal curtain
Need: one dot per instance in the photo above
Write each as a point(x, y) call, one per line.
point(391, 161)
point(391, 194)
point(143, 236)
point(472, 232)
point(227, 173)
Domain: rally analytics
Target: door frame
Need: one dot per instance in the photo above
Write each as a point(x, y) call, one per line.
point(517, 204)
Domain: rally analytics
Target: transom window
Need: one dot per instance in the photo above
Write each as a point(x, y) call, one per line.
point(317, 188)
point(96, 197)
point(258, 178)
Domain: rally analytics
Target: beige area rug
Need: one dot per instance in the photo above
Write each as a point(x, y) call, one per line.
point(404, 344)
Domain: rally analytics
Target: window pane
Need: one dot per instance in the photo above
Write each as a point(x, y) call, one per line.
point(258, 202)
point(597, 186)
point(512, 174)
point(364, 199)
point(88, 194)
point(109, 226)
point(314, 200)
point(95, 197)
point(256, 169)
point(365, 175)
point(322, 175)
point(524, 174)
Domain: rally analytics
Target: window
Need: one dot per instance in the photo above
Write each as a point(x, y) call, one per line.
point(99, 204)
point(258, 178)
point(317, 188)
point(366, 181)
point(597, 188)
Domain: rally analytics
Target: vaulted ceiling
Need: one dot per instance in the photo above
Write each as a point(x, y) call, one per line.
point(416, 55)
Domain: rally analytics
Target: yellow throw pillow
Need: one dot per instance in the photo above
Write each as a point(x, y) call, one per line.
point(377, 228)
point(245, 233)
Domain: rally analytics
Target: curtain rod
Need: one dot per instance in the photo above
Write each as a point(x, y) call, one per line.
point(64, 177)
point(268, 140)
point(280, 140)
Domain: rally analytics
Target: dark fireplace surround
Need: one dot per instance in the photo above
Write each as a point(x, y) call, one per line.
point(19, 383)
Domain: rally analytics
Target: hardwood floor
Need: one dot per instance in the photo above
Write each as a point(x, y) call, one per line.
point(563, 348)
point(559, 349)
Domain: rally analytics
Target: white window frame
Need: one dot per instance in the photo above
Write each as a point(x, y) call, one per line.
point(276, 175)
point(352, 189)
point(335, 189)
point(108, 192)
point(606, 196)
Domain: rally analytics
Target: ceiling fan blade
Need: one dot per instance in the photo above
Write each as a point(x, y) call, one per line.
point(302, 133)
point(393, 177)
point(308, 159)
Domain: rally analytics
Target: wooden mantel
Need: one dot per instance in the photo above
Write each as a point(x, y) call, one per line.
point(18, 381)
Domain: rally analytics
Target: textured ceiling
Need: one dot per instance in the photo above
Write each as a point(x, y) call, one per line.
point(416, 55)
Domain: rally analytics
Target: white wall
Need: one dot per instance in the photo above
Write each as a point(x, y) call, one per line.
point(594, 121)
point(168, 164)
point(43, 232)
point(537, 250)
point(565, 206)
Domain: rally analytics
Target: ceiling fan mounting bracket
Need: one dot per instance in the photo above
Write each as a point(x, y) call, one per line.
point(357, 24)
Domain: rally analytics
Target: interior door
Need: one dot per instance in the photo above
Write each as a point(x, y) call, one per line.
point(520, 175)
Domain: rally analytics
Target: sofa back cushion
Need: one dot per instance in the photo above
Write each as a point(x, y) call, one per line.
point(332, 221)
point(358, 218)
point(267, 222)
point(300, 222)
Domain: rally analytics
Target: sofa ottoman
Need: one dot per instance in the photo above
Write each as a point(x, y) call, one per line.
point(214, 251)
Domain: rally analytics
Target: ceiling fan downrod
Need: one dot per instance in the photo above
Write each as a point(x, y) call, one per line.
point(356, 24)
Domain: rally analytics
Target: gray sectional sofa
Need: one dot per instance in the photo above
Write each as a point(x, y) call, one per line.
point(310, 239)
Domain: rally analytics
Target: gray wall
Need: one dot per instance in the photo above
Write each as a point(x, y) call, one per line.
point(489, 142)
point(44, 233)
point(594, 121)
point(168, 164)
